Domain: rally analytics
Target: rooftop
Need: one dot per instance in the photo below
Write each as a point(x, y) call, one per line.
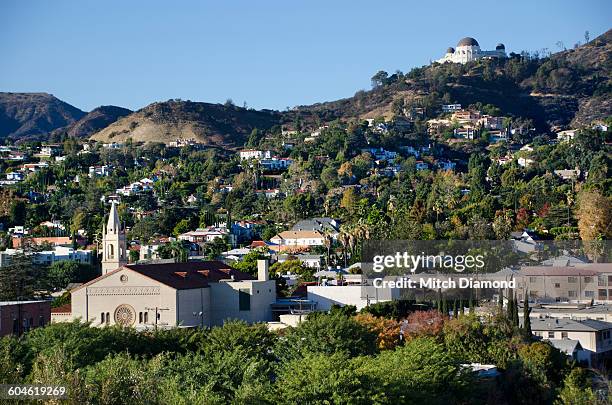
point(588, 325)
point(183, 276)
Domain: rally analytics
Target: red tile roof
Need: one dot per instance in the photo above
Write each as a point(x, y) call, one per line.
point(183, 276)
point(63, 309)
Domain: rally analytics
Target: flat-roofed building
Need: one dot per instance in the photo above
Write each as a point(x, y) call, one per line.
point(595, 337)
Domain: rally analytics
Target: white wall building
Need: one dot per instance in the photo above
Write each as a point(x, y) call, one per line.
point(192, 294)
point(468, 50)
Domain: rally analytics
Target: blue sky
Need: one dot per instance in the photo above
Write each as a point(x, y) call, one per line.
point(269, 54)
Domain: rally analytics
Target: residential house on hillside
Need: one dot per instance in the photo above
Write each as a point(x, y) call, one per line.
point(446, 108)
point(323, 225)
point(200, 235)
point(595, 337)
point(312, 261)
point(296, 240)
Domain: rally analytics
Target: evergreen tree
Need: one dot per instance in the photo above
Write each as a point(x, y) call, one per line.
point(515, 313)
point(526, 318)
point(455, 309)
point(472, 309)
point(461, 308)
point(500, 301)
point(445, 307)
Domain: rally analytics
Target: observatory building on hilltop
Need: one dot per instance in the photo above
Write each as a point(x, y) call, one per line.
point(468, 50)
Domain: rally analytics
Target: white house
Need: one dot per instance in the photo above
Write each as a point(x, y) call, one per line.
point(100, 171)
point(298, 239)
point(203, 234)
point(15, 176)
point(450, 107)
point(567, 135)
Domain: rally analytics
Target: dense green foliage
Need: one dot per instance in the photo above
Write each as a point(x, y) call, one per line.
point(329, 358)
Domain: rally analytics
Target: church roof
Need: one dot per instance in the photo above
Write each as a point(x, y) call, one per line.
point(468, 41)
point(182, 276)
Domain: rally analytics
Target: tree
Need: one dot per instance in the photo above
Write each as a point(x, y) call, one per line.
point(526, 317)
point(576, 389)
point(134, 256)
point(349, 200)
point(20, 279)
point(423, 323)
point(594, 216)
point(17, 212)
point(248, 264)
point(379, 79)
point(321, 378)
point(387, 330)
point(420, 372)
point(327, 334)
point(181, 227)
point(62, 273)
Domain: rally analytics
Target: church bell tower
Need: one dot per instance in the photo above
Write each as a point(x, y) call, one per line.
point(113, 242)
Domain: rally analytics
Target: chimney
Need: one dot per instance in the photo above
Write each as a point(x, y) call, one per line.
point(262, 270)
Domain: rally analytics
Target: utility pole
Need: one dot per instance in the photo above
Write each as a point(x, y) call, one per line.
point(157, 311)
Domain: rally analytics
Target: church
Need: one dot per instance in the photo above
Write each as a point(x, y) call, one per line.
point(145, 296)
point(468, 50)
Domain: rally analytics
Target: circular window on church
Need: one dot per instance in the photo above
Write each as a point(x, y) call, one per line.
point(123, 278)
point(125, 315)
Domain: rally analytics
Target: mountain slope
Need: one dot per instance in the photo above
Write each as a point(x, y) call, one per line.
point(34, 115)
point(94, 121)
point(572, 87)
point(211, 124)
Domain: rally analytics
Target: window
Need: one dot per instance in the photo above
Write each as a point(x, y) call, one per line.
point(532, 279)
point(588, 279)
point(140, 317)
point(557, 285)
point(602, 294)
point(601, 281)
point(609, 280)
point(244, 299)
point(108, 317)
point(551, 335)
point(589, 294)
point(102, 317)
point(606, 334)
point(572, 279)
point(571, 294)
point(146, 317)
point(563, 335)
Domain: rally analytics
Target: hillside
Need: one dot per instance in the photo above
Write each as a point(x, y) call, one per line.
point(34, 115)
point(568, 88)
point(97, 119)
point(211, 124)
